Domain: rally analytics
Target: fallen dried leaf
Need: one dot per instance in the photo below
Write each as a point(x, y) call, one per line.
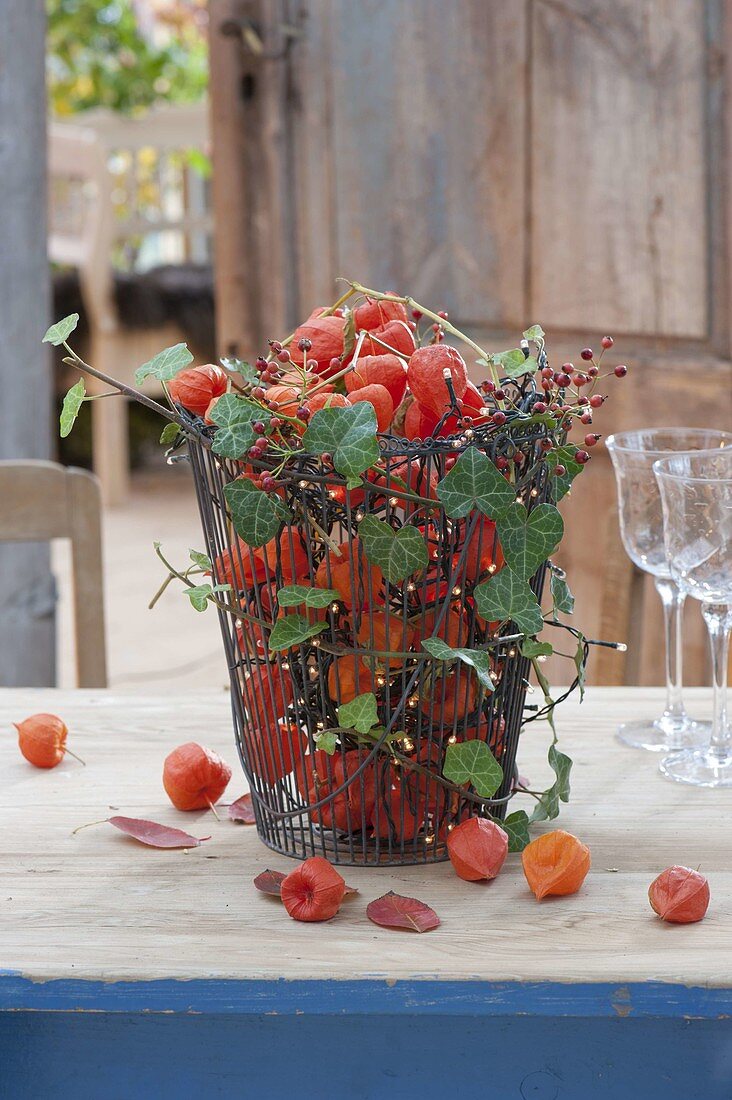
point(270, 882)
point(394, 911)
point(155, 835)
point(242, 810)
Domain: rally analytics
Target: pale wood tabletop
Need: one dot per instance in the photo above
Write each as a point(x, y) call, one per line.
point(97, 905)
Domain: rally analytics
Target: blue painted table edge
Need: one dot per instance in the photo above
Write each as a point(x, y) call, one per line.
point(369, 996)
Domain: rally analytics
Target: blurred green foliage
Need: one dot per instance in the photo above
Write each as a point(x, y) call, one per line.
point(98, 56)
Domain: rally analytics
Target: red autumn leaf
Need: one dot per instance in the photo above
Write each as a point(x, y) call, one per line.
point(155, 835)
point(270, 882)
point(242, 810)
point(394, 911)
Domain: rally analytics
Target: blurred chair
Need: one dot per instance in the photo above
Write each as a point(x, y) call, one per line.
point(123, 194)
point(41, 501)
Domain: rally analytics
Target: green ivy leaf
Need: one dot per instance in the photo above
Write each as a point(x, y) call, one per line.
point(200, 595)
point(327, 741)
point(478, 659)
point(165, 365)
point(547, 808)
point(256, 516)
point(61, 331)
point(531, 648)
point(506, 596)
point(579, 664)
point(70, 410)
point(517, 827)
point(292, 630)
point(246, 370)
point(349, 435)
point(169, 433)
point(292, 595)
point(473, 762)
point(398, 554)
point(514, 363)
point(562, 456)
point(474, 482)
point(201, 560)
point(561, 595)
point(234, 416)
point(528, 538)
point(535, 333)
point(360, 714)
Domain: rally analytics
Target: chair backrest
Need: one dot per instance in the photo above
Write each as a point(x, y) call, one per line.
point(40, 501)
point(119, 186)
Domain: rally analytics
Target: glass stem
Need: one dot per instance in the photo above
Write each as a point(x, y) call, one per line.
point(673, 615)
point(718, 618)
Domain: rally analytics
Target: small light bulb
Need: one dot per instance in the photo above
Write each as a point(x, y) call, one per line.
point(451, 826)
point(285, 666)
point(512, 652)
point(621, 647)
point(411, 587)
point(334, 607)
point(494, 677)
point(456, 590)
point(359, 516)
point(303, 484)
point(393, 501)
point(452, 739)
point(316, 642)
point(519, 499)
point(332, 494)
point(320, 725)
point(429, 839)
point(380, 681)
point(412, 701)
point(492, 567)
point(534, 492)
point(408, 745)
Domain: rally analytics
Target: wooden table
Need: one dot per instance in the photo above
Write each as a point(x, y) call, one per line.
point(129, 972)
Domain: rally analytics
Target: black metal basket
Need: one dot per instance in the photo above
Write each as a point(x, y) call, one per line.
point(380, 798)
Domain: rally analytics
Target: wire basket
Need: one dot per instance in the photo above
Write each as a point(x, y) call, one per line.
point(379, 796)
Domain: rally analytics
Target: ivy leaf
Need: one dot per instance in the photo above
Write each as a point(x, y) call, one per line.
point(349, 435)
point(561, 595)
point(506, 596)
point(360, 714)
point(234, 417)
point(528, 538)
point(327, 741)
point(201, 560)
point(61, 331)
point(514, 363)
point(239, 366)
point(292, 630)
point(397, 553)
point(535, 333)
point(476, 658)
point(473, 762)
point(474, 482)
point(199, 596)
point(563, 456)
point(169, 433)
point(530, 647)
point(547, 808)
point(256, 516)
point(165, 365)
point(517, 827)
point(579, 664)
point(292, 595)
point(70, 410)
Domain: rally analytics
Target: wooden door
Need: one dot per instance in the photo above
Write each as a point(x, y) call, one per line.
point(555, 161)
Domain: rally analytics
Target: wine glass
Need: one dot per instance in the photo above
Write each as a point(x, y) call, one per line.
point(641, 527)
point(696, 494)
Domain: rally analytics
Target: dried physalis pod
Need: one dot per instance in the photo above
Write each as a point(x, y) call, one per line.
point(555, 863)
point(313, 891)
point(194, 777)
point(679, 895)
point(42, 740)
point(477, 849)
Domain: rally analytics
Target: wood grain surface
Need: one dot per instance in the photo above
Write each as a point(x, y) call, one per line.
point(98, 906)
